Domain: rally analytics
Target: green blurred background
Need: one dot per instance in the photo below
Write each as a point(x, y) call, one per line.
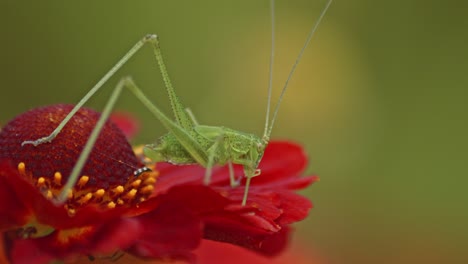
point(378, 100)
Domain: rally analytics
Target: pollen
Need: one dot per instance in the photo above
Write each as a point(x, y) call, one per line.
point(131, 194)
point(99, 193)
point(22, 168)
point(119, 189)
point(58, 178)
point(83, 180)
point(147, 189)
point(150, 180)
point(41, 182)
point(49, 194)
point(111, 205)
point(136, 183)
point(84, 199)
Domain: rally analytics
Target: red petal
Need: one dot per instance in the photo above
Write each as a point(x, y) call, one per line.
point(173, 229)
point(281, 206)
point(25, 252)
point(170, 232)
point(261, 225)
point(282, 159)
point(227, 229)
point(105, 239)
point(23, 200)
point(211, 252)
point(13, 212)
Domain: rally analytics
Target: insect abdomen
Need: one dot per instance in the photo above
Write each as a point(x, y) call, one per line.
point(168, 149)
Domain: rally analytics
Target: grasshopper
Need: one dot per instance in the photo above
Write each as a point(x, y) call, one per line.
point(186, 142)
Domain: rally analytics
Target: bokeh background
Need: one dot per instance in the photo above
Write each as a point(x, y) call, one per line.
point(378, 100)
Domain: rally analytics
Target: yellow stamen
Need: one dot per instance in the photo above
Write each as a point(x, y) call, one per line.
point(99, 193)
point(136, 183)
point(86, 198)
point(40, 181)
point(58, 178)
point(49, 194)
point(147, 189)
point(131, 194)
point(83, 180)
point(111, 205)
point(150, 180)
point(119, 189)
point(22, 168)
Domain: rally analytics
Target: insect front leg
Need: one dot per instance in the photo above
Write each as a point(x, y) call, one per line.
point(250, 171)
point(96, 87)
point(248, 175)
point(90, 143)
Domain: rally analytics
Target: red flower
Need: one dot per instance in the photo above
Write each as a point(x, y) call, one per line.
point(212, 252)
point(158, 214)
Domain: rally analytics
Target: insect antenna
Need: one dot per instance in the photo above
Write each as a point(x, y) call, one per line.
point(136, 170)
point(270, 79)
point(293, 69)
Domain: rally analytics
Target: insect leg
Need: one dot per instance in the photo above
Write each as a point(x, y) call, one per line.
point(91, 92)
point(186, 140)
point(247, 185)
point(89, 144)
point(232, 176)
point(211, 155)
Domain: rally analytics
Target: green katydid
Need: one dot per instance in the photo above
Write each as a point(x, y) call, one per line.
point(186, 142)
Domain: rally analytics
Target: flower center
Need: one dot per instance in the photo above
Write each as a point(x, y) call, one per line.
point(112, 176)
point(134, 191)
